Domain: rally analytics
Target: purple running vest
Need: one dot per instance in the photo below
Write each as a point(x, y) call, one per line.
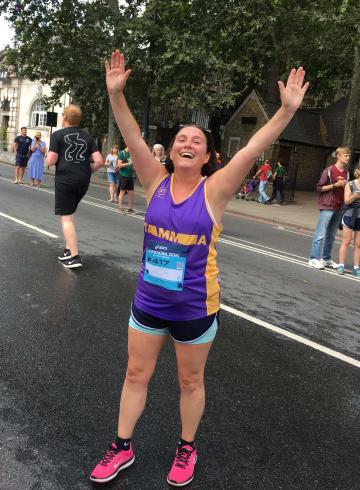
point(178, 278)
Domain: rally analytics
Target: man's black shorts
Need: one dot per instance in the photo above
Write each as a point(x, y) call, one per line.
point(68, 196)
point(21, 160)
point(126, 184)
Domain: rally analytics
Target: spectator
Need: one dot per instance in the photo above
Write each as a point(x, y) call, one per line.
point(278, 184)
point(158, 152)
point(36, 162)
point(126, 180)
point(70, 150)
point(21, 147)
point(113, 172)
point(265, 174)
point(351, 223)
point(331, 198)
point(218, 161)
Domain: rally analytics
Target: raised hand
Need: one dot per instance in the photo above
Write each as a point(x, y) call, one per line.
point(293, 93)
point(116, 75)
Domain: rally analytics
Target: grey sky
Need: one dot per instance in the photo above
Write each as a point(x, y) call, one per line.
point(5, 33)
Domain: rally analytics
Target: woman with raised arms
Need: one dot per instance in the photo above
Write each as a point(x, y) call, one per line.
point(177, 293)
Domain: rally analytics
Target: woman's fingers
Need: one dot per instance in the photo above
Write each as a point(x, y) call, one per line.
point(122, 62)
point(305, 87)
point(117, 62)
point(113, 60)
point(299, 77)
point(291, 77)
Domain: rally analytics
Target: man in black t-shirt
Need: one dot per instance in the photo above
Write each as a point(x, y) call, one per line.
point(70, 150)
point(21, 147)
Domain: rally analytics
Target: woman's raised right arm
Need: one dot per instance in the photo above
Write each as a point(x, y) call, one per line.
point(147, 168)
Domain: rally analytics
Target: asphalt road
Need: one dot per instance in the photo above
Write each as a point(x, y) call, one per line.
point(280, 414)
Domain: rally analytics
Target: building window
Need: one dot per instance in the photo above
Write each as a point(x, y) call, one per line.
point(233, 146)
point(5, 105)
point(38, 113)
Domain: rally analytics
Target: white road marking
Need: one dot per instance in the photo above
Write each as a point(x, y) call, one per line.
point(277, 256)
point(234, 241)
point(32, 227)
point(293, 336)
point(240, 240)
point(229, 309)
point(281, 228)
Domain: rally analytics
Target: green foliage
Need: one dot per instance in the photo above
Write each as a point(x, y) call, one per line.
point(3, 133)
point(188, 53)
point(65, 44)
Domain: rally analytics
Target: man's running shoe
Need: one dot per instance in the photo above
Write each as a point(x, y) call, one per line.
point(182, 470)
point(317, 264)
point(66, 255)
point(113, 462)
point(329, 263)
point(72, 262)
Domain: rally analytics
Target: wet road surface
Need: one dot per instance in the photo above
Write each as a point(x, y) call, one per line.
point(279, 414)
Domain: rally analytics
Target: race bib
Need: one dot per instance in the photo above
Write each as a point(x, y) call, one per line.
point(165, 265)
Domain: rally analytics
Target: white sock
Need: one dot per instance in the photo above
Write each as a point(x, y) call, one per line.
point(341, 265)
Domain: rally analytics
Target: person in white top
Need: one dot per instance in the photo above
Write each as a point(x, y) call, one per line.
point(113, 172)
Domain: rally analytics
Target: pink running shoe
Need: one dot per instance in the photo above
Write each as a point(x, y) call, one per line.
point(112, 463)
point(182, 470)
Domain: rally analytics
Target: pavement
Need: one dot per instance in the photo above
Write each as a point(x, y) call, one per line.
point(301, 213)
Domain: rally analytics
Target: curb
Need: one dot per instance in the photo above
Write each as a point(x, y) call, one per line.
point(242, 214)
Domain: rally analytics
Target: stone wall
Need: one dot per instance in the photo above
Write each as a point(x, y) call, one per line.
point(309, 161)
point(22, 94)
point(236, 129)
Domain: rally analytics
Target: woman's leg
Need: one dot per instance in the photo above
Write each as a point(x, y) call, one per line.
point(130, 199)
point(143, 350)
point(191, 360)
point(346, 240)
point(112, 191)
point(357, 249)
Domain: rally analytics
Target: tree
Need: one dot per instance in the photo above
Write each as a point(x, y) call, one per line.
point(187, 54)
point(64, 44)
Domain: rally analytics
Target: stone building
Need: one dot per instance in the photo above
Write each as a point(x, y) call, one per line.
point(21, 104)
point(306, 146)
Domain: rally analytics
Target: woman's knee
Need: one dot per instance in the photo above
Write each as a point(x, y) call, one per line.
point(346, 243)
point(139, 373)
point(191, 382)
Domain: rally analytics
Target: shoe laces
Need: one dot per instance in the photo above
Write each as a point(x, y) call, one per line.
point(109, 455)
point(182, 457)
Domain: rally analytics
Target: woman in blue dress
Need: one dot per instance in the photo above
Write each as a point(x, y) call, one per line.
point(36, 162)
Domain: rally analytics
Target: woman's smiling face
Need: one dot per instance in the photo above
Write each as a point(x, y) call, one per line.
point(189, 148)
